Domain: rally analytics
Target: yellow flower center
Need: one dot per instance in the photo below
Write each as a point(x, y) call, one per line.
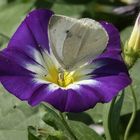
point(65, 78)
point(62, 79)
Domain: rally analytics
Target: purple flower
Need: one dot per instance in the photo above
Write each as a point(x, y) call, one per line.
point(32, 72)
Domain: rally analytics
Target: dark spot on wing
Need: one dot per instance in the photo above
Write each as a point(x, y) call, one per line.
point(69, 34)
point(54, 30)
point(67, 31)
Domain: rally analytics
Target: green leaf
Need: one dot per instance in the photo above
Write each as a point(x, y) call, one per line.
point(68, 10)
point(83, 132)
point(11, 15)
point(96, 113)
point(8, 20)
point(15, 116)
point(128, 101)
point(81, 116)
point(53, 119)
point(3, 40)
point(45, 132)
point(111, 118)
point(32, 133)
point(3, 2)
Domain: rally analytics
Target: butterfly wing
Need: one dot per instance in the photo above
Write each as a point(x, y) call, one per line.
point(75, 42)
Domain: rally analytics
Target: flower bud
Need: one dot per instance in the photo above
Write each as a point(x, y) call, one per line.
point(132, 46)
point(134, 41)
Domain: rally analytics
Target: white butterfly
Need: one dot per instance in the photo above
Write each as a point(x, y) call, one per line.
point(76, 41)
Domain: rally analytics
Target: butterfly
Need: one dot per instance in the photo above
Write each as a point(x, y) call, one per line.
point(75, 42)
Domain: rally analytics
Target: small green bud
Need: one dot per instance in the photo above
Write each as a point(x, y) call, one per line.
point(132, 46)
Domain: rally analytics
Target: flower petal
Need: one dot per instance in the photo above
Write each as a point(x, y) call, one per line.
point(81, 99)
point(107, 66)
point(10, 68)
point(81, 95)
point(51, 94)
point(110, 86)
point(33, 31)
point(113, 49)
point(25, 58)
point(89, 93)
point(20, 86)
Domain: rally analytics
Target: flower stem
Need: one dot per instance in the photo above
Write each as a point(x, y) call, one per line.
point(133, 114)
point(67, 126)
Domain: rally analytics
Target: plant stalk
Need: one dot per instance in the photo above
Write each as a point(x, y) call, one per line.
point(67, 126)
point(130, 123)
